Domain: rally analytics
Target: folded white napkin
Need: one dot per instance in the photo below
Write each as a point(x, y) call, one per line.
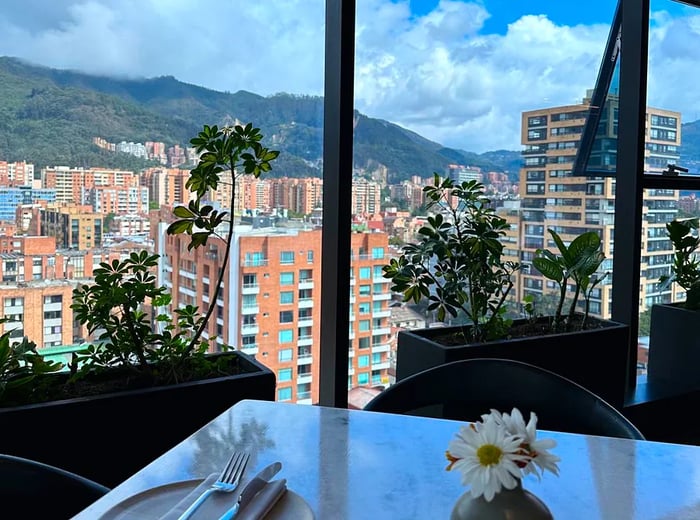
point(218, 503)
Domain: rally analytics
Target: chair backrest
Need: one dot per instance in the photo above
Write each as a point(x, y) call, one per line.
point(39, 490)
point(464, 390)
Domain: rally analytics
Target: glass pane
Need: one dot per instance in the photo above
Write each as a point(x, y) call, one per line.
point(444, 88)
point(672, 137)
point(597, 153)
point(166, 69)
point(661, 207)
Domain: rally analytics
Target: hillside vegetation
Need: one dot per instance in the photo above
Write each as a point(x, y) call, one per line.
point(49, 117)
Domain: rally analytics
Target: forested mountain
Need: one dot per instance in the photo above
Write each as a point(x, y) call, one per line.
point(50, 116)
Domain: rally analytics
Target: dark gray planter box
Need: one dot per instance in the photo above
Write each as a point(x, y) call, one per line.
point(596, 358)
point(674, 347)
point(109, 437)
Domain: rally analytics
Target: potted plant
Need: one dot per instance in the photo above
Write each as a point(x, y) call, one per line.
point(674, 345)
point(146, 382)
point(457, 265)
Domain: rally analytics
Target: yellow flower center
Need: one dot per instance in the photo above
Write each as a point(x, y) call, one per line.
point(489, 454)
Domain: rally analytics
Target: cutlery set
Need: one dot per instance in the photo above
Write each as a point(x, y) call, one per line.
point(229, 481)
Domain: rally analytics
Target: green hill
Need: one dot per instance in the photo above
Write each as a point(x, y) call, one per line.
point(50, 116)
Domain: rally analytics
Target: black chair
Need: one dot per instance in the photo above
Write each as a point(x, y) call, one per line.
point(464, 390)
point(38, 490)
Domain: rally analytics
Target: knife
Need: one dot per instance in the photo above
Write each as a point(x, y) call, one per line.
point(252, 488)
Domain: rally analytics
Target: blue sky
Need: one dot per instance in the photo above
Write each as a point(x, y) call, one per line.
point(504, 12)
point(458, 72)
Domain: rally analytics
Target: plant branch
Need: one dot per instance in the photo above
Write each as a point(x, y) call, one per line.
point(222, 270)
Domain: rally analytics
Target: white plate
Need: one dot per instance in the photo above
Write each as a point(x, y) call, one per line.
point(155, 502)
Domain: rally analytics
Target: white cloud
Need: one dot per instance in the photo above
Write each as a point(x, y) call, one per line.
point(673, 64)
point(438, 74)
point(466, 89)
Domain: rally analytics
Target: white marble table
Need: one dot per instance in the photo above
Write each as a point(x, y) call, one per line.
point(367, 465)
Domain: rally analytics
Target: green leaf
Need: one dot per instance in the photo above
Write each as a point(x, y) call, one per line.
point(182, 212)
point(549, 268)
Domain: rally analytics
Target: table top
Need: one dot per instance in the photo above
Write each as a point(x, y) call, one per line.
point(359, 464)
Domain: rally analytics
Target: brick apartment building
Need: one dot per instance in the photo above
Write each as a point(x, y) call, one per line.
point(271, 308)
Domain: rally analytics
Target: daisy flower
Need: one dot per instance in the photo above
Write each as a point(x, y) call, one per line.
point(487, 457)
point(537, 450)
point(499, 450)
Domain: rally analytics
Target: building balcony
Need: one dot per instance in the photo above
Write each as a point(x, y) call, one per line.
point(306, 284)
point(384, 365)
point(304, 359)
point(380, 279)
point(249, 349)
point(381, 297)
point(250, 288)
point(188, 292)
point(305, 322)
point(187, 274)
point(305, 303)
point(351, 352)
point(250, 309)
point(48, 307)
point(382, 347)
point(304, 396)
point(381, 331)
point(304, 378)
point(255, 263)
point(305, 341)
point(250, 329)
point(384, 313)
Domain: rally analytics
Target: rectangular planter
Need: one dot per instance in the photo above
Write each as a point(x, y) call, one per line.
point(596, 358)
point(109, 437)
point(674, 347)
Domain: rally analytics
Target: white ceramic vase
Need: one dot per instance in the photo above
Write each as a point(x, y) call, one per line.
point(508, 504)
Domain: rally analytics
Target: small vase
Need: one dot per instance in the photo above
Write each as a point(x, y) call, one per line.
point(508, 504)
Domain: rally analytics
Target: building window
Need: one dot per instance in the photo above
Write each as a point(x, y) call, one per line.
point(55, 298)
point(378, 271)
point(376, 358)
point(365, 273)
point(363, 343)
point(286, 278)
point(248, 301)
point(363, 361)
point(285, 355)
point(287, 257)
point(284, 394)
point(363, 378)
point(286, 316)
point(287, 297)
point(364, 325)
point(363, 308)
point(250, 280)
point(284, 374)
point(365, 290)
point(310, 256)
point(286, 336)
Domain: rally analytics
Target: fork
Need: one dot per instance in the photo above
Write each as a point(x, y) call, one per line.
point(226, 483)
